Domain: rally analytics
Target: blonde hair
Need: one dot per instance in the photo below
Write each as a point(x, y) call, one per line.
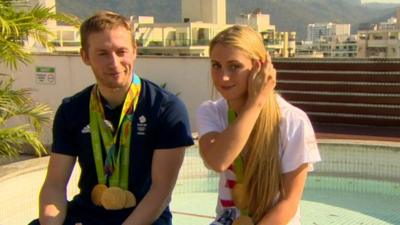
point(262, 165)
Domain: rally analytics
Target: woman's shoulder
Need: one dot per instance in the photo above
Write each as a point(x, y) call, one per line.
point(293, 119)
point(298, 144)
point(289, 111)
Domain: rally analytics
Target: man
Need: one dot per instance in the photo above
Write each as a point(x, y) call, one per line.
point(128, 135)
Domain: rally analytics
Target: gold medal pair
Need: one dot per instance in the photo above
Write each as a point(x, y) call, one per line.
point(112, 198)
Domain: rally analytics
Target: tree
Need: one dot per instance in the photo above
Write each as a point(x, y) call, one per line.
point(15, 27)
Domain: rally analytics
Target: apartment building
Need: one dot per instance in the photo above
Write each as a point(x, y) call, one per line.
point(379, 44)
point(62, 39)
point(206, 11)
point(201, 21)
point(316, 31)
point(382, 41)
point(279, 44)
point(176, 39)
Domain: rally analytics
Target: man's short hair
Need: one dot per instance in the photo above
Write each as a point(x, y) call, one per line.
point(101, 21)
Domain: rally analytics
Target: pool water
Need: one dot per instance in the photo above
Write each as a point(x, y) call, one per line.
point(326, 200)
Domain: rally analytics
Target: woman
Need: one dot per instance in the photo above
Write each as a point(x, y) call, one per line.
point(262, 146)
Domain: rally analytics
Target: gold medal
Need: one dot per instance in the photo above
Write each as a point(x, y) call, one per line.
point(130, 199)
point(97, 192)
point(239, 196)
point(243, 220)
point(113, 198)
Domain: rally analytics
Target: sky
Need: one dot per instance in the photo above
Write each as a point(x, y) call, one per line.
point(381, 1)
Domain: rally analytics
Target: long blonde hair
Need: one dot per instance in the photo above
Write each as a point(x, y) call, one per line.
point(262, 165)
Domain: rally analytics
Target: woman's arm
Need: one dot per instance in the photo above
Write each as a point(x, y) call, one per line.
point(286, 208)
point(219, 150)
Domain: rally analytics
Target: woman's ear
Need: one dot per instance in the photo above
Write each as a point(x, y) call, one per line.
point(257, 64)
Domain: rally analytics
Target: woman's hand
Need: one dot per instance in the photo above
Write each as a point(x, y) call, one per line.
point(261, 82)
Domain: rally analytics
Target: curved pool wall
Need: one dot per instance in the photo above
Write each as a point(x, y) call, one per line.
point(356, 160)
point(20, 184)
point(357, 182)
point(360, 159)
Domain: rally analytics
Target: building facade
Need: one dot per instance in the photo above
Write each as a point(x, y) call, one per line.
point(176, 39)
point(379, 44)
point(192, 36)
point(258, 21)
point(382, 41)
point(201, 21)
point(328, 40)
point(316, 31)
point(206, 11)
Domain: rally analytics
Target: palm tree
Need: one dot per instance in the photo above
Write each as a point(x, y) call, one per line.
point(17, 103)
point(15, 27)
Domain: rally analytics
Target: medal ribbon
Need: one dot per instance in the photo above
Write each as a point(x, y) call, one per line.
point(116, 163)
point(238, 164)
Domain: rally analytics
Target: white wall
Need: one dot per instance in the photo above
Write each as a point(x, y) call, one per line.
point(190, 77)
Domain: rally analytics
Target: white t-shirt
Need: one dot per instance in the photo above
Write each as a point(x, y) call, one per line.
point(297, 143)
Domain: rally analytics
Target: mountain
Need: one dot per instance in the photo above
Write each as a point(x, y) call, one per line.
point(381, 5)
point(287, 15)
point(294, 15)
point(163, 11)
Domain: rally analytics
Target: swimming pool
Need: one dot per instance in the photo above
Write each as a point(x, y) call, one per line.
point(358, 182)
point(326, 200)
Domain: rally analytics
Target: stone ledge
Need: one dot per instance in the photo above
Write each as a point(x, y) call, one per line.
point(24, 164)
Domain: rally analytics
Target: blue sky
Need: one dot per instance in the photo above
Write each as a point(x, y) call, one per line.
point(382, 1)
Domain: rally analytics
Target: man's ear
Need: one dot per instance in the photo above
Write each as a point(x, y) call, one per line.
point(85, 56)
